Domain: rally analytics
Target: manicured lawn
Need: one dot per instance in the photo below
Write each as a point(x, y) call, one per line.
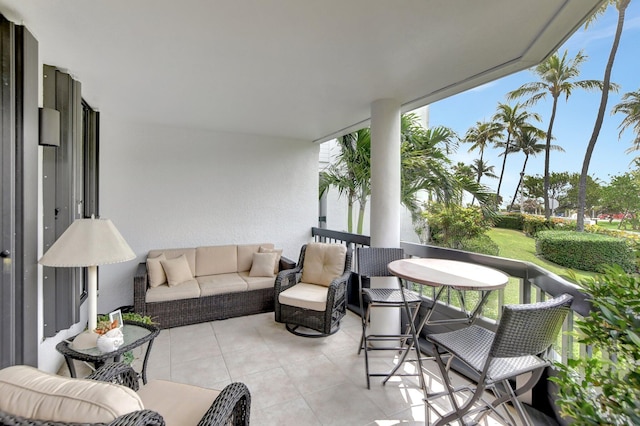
point(516, 245)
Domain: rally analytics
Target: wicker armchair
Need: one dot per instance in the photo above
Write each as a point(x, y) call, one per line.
point(521, 344)
point(230, 407)
point(315, 297)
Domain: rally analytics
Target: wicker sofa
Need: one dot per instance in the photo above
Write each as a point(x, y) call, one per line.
point(184, 286)
point(111, 395)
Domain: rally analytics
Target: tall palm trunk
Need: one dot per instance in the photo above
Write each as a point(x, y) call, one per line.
point(515, 194)
point(361, 211)
point(582, 186)
point(547, 155)
point(473, 200)
point(504, 162)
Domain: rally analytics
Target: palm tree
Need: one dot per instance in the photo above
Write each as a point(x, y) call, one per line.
point(514, 120)
point(481, 135)
point(528, 143)
point(481, 168)
point(351, 173)
point(630, 106)
point(621, 5)
point(557, 77)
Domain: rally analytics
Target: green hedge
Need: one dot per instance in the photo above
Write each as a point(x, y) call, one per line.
point(481, 244)
point(585, 251)
point(509, 221)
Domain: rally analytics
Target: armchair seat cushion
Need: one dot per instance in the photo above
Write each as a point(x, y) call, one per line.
point(33, 394)
point(179, 404)
point(306, 296)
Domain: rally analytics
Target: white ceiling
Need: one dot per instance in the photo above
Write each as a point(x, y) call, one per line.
point(302, 69)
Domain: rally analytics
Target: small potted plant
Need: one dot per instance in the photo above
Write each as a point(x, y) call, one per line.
point(110, 335)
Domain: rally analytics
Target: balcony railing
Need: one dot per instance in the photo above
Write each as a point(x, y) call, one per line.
point(528, 283)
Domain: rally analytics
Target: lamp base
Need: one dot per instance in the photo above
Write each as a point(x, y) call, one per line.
point(85, 340)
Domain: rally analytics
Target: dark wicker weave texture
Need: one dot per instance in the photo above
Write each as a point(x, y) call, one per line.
point(326, 322)
point(520, 344)
point(232, 407)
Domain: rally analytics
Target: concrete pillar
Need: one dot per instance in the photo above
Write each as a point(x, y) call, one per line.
point(385, 199)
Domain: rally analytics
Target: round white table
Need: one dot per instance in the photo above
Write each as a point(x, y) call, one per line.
point(452, 273)
point(445, 273)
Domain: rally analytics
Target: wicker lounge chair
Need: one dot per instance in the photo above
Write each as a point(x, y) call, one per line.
point(313, 294)
point(231, 406)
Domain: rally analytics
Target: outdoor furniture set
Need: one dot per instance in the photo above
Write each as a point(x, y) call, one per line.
point(522, 343)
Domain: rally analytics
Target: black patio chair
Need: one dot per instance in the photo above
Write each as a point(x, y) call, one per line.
point(521, 344)
point(372, 262)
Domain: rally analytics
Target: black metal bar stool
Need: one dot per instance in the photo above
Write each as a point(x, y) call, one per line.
point(372, 262)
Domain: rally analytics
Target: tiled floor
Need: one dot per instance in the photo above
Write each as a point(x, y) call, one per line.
point(293, 380)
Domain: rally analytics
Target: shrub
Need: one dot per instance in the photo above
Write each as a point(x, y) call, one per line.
point(481, 244)
point(531, 224)
point(509, 221)
point(597, 390)
point(452, 224)
point(585, 251)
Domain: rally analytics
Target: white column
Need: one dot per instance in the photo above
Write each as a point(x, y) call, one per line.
point(385, 199)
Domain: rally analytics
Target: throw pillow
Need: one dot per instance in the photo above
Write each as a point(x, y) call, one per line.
point(177, 270)
point(276, 267)
point(262, 265)
point(156, 271)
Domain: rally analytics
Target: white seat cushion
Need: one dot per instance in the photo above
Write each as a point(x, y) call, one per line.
point(28, 392)
point(256, 283)
point(221, 283)
point(305, 295)
point(163, 293)
point(177, 403)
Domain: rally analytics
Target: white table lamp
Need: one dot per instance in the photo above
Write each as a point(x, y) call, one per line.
point(89, 243)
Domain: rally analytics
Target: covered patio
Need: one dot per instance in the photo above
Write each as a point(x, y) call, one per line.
point(210, 120)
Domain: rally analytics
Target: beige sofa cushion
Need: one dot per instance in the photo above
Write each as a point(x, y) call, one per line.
point(245, 255)
point(164, 293)
point(28, 392)
point(177, 270)
point(278, 252)
point(211, 260)
point(187, 409)
point(262, 265)
point(221, 283)
point(156, 271)
point(257, 283)
point(323, 263)
point(190, 254)
point(307, 296)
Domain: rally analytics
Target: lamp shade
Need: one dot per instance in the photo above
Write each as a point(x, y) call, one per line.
point(88, 242)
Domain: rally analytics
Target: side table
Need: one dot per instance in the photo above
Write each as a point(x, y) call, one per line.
point(135, 334)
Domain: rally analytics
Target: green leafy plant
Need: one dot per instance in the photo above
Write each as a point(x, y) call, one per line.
point(605, 387)
point(452, 224)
